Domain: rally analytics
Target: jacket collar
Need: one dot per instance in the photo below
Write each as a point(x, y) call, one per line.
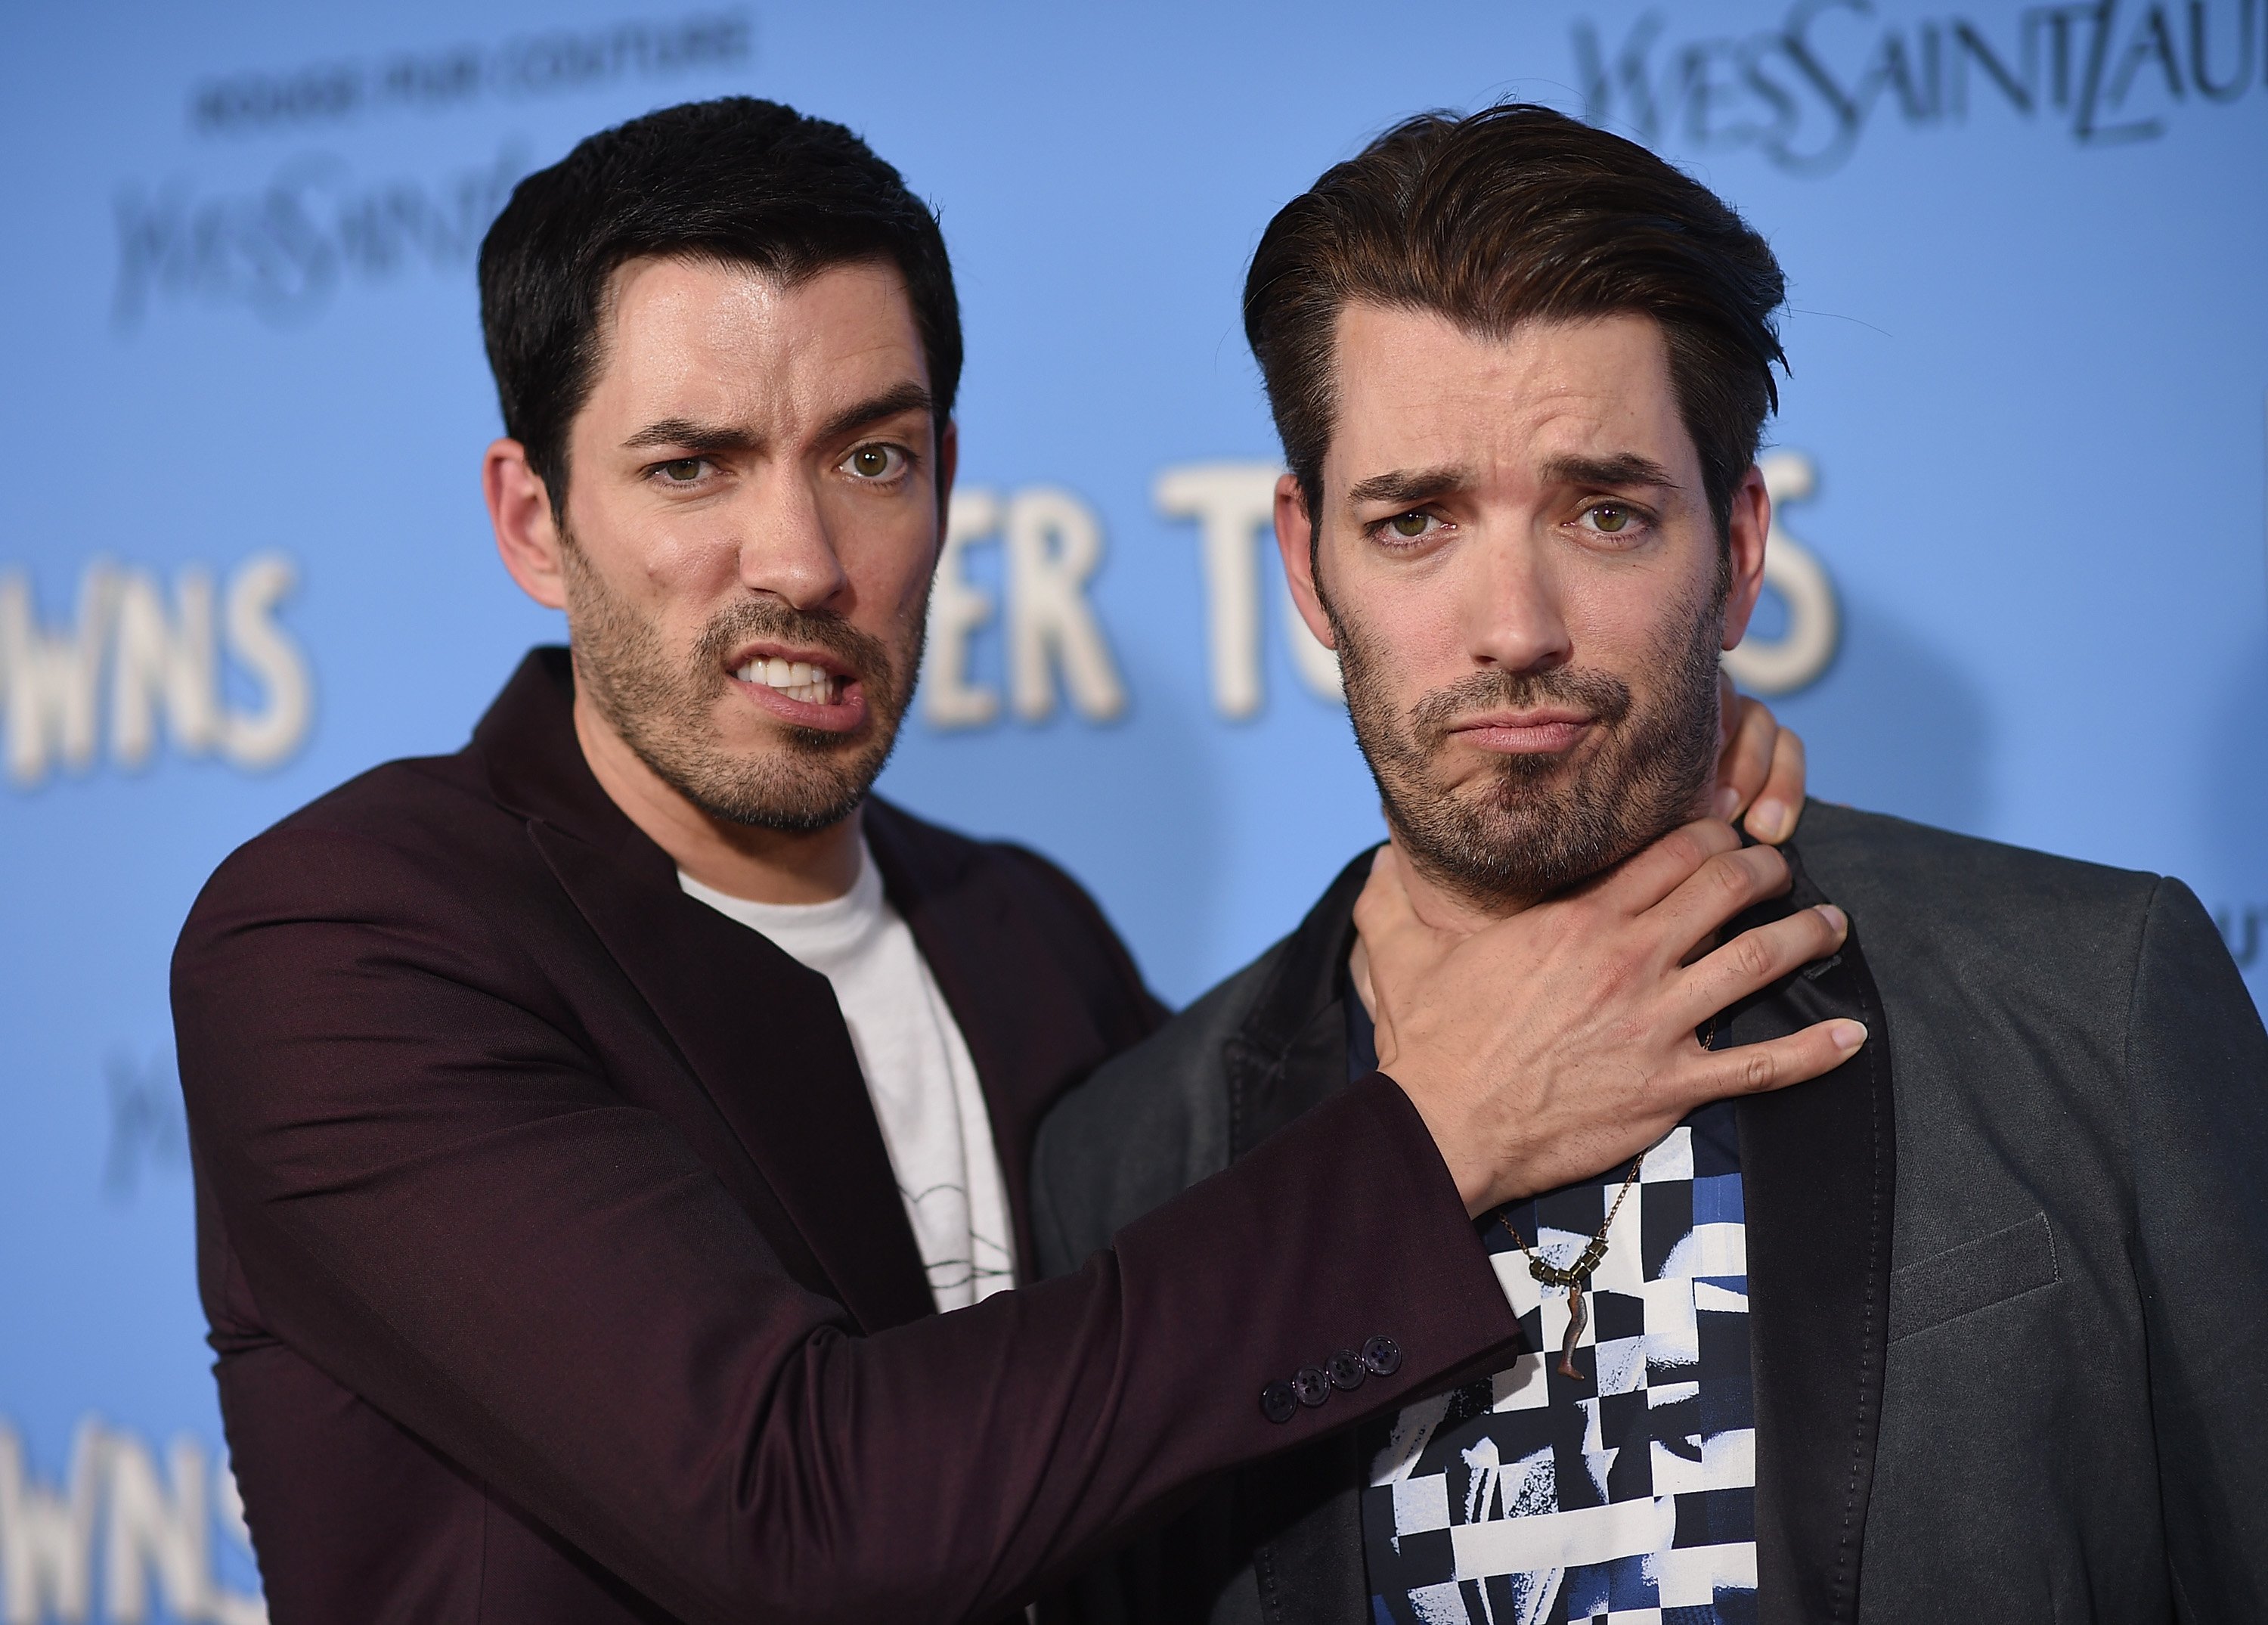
point(762, 1033)
point(1818, 1165)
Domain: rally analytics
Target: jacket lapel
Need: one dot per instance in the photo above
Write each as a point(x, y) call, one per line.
point(761, 1033)
point(1818, 1168)
point(1027, 1023)
point(1290, 1053)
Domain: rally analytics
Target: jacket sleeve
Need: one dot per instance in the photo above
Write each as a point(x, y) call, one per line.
point(2198, 1070)
point(439, 1198)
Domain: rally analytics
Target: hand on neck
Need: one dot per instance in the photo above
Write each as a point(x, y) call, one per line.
point(1456, 913)
point(741, 860)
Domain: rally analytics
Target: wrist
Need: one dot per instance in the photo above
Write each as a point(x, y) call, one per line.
point(1455, 1144)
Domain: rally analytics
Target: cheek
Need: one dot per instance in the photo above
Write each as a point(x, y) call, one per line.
point(890, 567)
point(1409, 628)
point(690, 555)
point(1391, 650)
point(1629, 620)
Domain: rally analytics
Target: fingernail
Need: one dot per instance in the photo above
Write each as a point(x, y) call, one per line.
point(1728, 803)
point(1837, 921)
point(1850, 1035)
point(1768, 820)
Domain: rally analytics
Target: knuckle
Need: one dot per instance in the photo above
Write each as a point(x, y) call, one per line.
point(1753, 955)
point(1731, 879)
point(1757, 1069)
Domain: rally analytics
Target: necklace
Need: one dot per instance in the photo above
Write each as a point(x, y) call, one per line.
point(1573, 1275)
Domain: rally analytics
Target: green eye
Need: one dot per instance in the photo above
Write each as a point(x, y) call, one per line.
point(683, 471)
point(1409, 526)
point(1610, 519)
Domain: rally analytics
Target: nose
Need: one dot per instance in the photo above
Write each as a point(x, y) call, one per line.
point(785, 546)
point(1511, 610)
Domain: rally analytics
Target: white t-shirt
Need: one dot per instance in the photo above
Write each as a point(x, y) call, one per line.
point(918, 1073)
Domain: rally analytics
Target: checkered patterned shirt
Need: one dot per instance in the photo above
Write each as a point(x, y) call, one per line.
point(1626, 1495)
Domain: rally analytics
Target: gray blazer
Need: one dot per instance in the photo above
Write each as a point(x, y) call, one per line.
point(2008, 1268)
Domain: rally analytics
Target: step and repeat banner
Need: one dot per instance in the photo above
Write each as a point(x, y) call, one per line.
point(2019, 580)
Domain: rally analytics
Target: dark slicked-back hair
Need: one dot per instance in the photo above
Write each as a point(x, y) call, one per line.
point(1507, 215)
point(736, 180)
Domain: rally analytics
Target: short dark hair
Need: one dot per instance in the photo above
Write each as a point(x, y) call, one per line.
point(1506, 215)
point(736, 180)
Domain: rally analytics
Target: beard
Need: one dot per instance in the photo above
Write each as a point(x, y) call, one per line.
point(665, 709)
point(1529, 826)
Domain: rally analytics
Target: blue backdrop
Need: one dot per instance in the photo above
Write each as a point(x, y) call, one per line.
point(2021, 584)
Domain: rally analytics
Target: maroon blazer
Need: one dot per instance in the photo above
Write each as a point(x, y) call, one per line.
point(558, 1273)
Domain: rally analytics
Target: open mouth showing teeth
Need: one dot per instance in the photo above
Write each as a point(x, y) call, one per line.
point(796, 679)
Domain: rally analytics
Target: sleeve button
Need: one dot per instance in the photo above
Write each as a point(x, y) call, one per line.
point(1382, 1355)
point(1311, 1385)
point(1278, 1402)
point(1346, 1369)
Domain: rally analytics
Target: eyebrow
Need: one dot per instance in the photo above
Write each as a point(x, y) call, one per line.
point(690, 434)
point(1411, 486)
point(1624, 469)
point(696, 435)
point(906, 397)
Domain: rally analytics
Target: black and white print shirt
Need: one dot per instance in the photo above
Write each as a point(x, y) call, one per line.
point(1625, 1495)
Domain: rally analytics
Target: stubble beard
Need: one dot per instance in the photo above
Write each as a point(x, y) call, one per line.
point(665, 709)
point(1531, 826)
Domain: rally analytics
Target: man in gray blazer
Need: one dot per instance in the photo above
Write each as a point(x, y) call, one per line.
point(1975, 1325)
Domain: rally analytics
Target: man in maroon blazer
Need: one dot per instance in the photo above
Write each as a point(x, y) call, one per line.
point(587, 1125)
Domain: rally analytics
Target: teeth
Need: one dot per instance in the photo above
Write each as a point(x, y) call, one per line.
point(796, 679)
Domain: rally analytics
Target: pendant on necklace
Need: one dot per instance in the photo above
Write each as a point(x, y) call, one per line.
point(1575, 1322)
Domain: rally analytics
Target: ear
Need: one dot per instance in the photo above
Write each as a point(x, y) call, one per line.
point(1750, 524)
point(948, 464)
point(1295, 535)
point(528, 538)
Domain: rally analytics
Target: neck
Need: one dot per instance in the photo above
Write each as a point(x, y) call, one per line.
point(1434, 903)
point(762, 866)
point(1451, 913)
point(1446, 910)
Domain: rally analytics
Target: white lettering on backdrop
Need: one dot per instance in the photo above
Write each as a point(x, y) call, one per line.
point(1051, 547)
point(1054, 546)
point(1799, 655)
point(147, 1522)
point(1234, 507)
point(158, 654)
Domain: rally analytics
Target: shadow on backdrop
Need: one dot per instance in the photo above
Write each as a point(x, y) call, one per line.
point(2236, 814)
point(1895, 726)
